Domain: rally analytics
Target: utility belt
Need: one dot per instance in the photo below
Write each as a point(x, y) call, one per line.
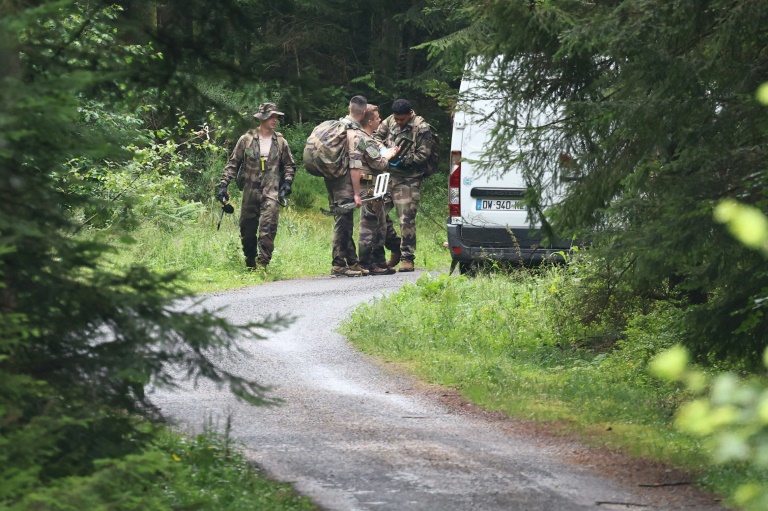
point(367, 178)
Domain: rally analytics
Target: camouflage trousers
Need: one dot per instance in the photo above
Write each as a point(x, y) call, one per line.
point(376, 231)
point(259, 216)
point(340, 192)
point(406, 194)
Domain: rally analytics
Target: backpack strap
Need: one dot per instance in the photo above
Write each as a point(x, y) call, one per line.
point(280, 145)
point(347, 125)
point(422, 126)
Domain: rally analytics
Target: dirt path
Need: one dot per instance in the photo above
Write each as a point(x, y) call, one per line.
point(355, 435)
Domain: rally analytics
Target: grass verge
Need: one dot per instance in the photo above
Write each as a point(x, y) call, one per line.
point(495, 338)
point(209, 472)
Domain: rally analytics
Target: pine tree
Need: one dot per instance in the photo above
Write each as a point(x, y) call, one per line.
point(79, 339)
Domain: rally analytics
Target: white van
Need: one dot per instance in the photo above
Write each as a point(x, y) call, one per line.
point(487, 218)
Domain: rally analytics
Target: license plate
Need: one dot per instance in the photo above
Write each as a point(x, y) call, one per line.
point(498, 205)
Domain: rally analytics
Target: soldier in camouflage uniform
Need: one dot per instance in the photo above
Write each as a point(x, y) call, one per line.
point(263, 168)
point(345, 190)
point(404, 127)
point(373, 228)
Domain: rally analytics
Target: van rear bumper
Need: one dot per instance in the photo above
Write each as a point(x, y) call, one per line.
point(471, 243)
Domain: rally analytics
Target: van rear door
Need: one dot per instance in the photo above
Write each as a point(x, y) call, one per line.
point(488, 219)
point(490, 195)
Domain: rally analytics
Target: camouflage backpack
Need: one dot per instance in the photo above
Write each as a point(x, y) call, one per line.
point(326, 153)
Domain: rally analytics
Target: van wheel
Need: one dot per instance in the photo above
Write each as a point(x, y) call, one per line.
point(465, 267)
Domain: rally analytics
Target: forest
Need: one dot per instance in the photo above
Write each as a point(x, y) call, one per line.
point(116, 120)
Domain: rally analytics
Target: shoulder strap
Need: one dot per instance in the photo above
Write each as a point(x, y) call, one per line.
point(280, 146)
point(424, 127)
point(280, 141)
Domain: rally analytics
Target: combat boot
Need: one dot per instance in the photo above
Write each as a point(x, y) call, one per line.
point(381, 270)
point(357, 267)
point(344, 271)
point(250, 263)
point(394, 258)
point(406, 266)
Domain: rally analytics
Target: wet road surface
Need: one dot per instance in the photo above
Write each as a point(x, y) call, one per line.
point(353, 435)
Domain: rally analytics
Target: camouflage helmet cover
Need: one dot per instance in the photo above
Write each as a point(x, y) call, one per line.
point(266, 110)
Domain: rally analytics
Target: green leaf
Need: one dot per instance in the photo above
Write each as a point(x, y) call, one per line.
point(731, 447)
point(670, 365)
point(748, 224)
point(762, 94)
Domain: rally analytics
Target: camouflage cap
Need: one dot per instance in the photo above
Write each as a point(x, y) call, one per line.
point(266, 110)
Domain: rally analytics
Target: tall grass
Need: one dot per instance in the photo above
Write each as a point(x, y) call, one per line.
point(209, 472)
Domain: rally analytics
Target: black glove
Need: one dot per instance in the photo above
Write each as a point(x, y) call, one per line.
point(285, 189)
point(221, 194)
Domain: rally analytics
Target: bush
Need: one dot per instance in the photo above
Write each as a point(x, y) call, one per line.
point(211, 473)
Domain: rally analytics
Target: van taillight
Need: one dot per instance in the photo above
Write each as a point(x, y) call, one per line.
point(454, 183)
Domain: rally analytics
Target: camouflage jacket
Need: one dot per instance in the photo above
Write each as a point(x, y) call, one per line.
point(278, 166)
point(414, 162)
point(365, 149)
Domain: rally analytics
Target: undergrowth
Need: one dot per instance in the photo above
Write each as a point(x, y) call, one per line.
point(210, 472)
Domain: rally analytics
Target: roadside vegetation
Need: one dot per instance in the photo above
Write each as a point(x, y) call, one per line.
point(209, 471)
point(206, 471)
point(510, 342)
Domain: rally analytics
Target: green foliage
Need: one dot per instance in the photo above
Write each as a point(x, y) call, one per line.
point(746, 223)
point(594, 303)
point(211, 473)
point(164, 176)
point(309, 191)
point(313, 56)
point(655, 114)
point(125, 484)
point(207, 471)
point(82, 337)
point(730, 414)
point(243, 99)
point(212, 260)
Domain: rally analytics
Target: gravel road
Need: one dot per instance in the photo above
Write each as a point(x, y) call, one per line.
point(354, 435)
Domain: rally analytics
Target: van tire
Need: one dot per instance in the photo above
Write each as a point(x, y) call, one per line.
point(465, 268)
